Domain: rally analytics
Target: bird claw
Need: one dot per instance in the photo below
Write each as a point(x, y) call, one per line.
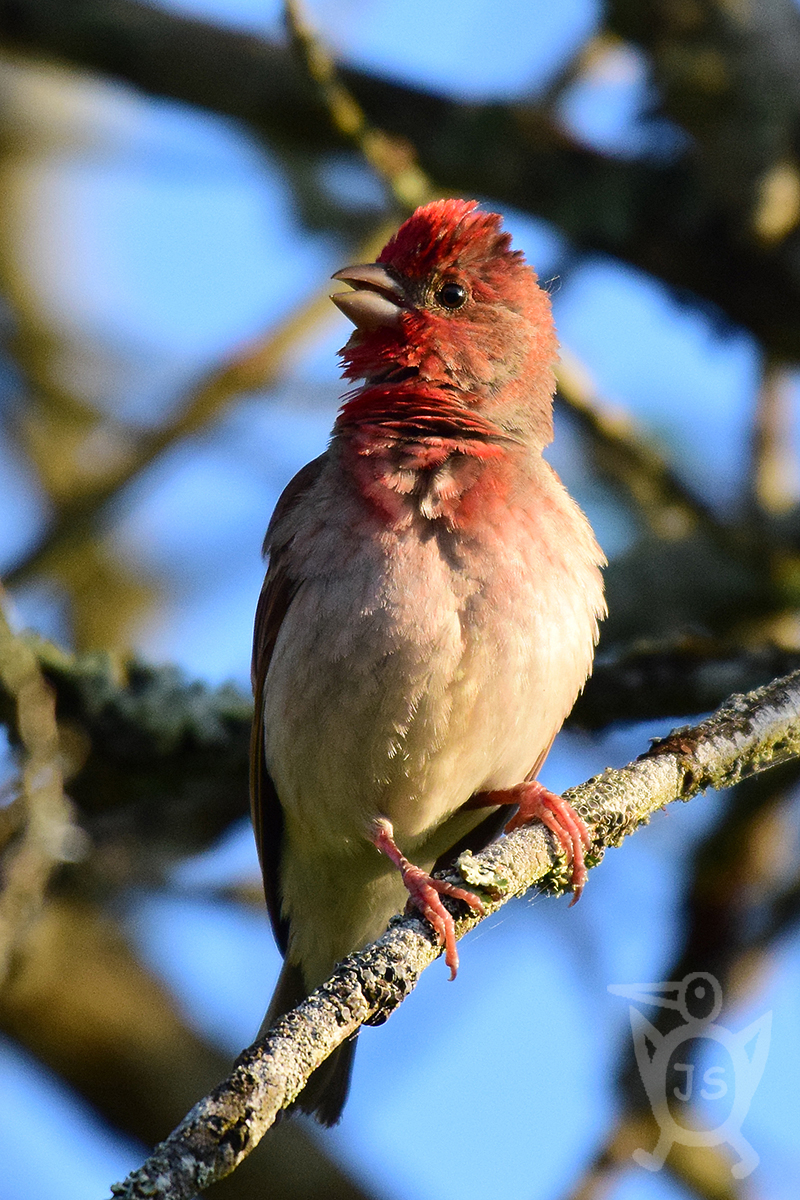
point(424, 892)
point(536, 802)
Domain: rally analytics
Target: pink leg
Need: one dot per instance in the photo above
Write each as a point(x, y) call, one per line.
point(424, 891)
point(535, 802)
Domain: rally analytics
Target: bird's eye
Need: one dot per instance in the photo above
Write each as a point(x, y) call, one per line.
point(451, 295)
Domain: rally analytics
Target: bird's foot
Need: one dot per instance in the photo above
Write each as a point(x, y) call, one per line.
point(424, 892)
point(535, 802)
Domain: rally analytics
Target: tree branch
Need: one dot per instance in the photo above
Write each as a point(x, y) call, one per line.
point(157, 764)
point(392, 159)
point(83, 1004)
point(728, 73)
point(45, 837)
point(748, 734)
point(658, 216)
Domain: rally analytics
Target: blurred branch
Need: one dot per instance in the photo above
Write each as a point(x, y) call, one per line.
point(393, 159)
point(659, 216)
point(747, 735)
point(672, 510)
point(691, 676)
point(157, 765)
point(12, 812)
point(738, 904)
point(703, 1170)
point(729, 74)
point(664, 590)
point(44, 840)
point(593, 51)
point(254, 367)
point(83, 1005)
point(775, 476)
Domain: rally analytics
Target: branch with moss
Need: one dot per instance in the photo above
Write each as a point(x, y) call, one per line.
point(747, 735)
point(157, 764)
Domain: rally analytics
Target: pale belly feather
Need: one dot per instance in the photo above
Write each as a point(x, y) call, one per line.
point(380, 704)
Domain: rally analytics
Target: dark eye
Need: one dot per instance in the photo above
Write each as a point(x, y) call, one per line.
point(451, 295)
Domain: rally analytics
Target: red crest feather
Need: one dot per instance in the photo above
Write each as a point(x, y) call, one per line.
point(444, 231)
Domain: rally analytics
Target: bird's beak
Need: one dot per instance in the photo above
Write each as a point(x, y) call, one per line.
point(377, 300)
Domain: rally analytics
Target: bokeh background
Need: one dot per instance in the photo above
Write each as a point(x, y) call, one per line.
point(177, 183)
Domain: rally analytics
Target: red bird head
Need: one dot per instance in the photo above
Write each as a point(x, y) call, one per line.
point(449, 304)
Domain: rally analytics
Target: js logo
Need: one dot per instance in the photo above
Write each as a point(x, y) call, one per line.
point(672, 1081)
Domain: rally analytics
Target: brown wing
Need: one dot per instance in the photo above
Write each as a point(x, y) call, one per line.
point(273, 604)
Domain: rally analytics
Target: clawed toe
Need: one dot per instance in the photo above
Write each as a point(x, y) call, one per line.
point(424, 893)
point(536, 802)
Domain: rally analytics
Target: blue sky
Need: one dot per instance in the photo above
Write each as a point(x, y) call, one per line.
point(156, 240)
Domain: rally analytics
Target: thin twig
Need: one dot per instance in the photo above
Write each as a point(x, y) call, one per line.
point(748, 734)
point(47, 832)
point(671, 509)
point(255, 367)
point(393, 159)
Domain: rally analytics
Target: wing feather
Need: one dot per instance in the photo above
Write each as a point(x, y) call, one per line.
point(276, 597)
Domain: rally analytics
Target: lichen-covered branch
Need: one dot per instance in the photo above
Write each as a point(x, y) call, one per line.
point(748, 734)
point(157, 764)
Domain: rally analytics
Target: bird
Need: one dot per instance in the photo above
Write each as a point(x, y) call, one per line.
point(429, 612)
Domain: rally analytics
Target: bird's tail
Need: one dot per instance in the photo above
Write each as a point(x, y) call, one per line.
point(325, 1093)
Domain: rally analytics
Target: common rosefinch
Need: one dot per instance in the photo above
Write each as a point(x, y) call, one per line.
point(429, 613)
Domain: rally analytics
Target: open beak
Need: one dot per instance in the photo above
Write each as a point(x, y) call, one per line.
point(377, 299)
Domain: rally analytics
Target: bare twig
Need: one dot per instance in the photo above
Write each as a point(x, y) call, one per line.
point(256, 366)
point(670, 507)
point(392, 158)
point(45, 841)
point(746, 735)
